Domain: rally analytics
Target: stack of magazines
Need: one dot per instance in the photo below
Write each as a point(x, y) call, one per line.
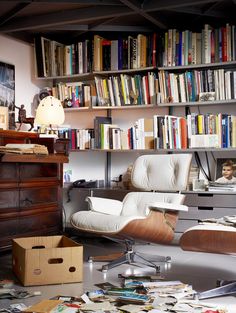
point(213, 186)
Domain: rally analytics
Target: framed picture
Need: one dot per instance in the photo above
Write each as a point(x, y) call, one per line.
point(3, 118)
point(225, 171)
point(7, 91)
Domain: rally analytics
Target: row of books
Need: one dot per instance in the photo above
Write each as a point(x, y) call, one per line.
point(223, 126)
point(190, 86)
point(158, 132)
point(97, 54)
point(132, 52)
point(123, 89)
point(208, 46)
point(171, 48)
point(56, 59)
point(76, 94)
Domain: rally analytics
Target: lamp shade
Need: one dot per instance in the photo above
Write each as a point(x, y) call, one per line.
point(50, 112)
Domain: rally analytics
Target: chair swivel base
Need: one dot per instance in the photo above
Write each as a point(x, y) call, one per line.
point(224, 290)
point(129, 257)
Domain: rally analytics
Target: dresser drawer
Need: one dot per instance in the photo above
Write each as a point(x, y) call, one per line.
point(212, 200)
point(206, 212)
point(9, 199)
point(8, 172)
point(40, 222)
point(35, 196)
point(43, 171)
point(9, 226)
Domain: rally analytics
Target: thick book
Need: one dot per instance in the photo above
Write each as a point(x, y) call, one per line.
point(98, 64)
point(183, 132)
point(98, 120)
point(146, 133)
point(39, 56)
point(43, 51)
point(130, 52)
point(120, 53)
point(106, 55)
point(114, 55)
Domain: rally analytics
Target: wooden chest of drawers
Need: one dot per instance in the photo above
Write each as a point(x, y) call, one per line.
point(30, 196)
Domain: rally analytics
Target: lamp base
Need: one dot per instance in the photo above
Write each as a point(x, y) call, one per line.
point(61, 146)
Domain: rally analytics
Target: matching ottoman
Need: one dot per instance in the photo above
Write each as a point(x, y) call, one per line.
point(212, 238)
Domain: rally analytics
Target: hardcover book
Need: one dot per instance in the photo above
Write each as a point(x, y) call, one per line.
point(97, 129)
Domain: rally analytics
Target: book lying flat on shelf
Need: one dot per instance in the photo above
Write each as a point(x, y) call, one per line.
point(24, 148)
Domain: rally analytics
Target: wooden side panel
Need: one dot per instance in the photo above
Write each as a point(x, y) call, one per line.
point(213, 241)
point(155, 228)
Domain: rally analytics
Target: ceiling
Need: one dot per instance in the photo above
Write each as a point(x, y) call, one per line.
point(65, 21)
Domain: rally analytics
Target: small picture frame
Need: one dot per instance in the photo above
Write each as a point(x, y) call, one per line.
point(4, 118)
point(225, 172)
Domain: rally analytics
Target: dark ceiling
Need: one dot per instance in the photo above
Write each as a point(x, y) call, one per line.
point(65, 21)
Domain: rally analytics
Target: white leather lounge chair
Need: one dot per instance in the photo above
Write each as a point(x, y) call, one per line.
point(148, 215)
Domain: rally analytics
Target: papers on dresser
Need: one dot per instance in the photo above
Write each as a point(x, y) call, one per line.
point(24, 148)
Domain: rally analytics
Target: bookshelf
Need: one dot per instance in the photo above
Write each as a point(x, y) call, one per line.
point(166, 65)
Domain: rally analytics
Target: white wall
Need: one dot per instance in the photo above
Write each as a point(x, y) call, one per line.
point(20, 54)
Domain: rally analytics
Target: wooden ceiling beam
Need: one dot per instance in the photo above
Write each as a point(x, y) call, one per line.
point(139, 10)
point(160, 5)
point(13, 12)
point(89, 2)
point(199, 12)
point(85, 16)
point(102, 27)
point(64, 17)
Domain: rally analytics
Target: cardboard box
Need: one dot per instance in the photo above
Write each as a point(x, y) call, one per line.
point(47, 260)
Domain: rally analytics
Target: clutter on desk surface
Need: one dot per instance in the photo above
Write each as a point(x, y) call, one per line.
point(137, 294)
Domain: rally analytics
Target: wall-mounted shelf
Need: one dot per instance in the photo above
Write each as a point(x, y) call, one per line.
point(195, 66)
point(124, 107)
point(199, 103)
point(85, 76)
point(158, 150)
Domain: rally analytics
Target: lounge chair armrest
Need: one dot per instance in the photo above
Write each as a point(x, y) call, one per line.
point(105, 206)
point(167, 206)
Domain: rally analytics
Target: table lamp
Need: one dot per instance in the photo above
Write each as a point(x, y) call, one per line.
point(49, 113)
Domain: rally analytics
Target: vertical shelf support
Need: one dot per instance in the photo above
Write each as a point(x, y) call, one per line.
point(108, 162)
point(108, 170)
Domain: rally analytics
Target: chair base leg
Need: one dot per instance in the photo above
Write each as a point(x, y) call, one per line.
point(130, 257)
point(105, 258)
point(217, 292)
